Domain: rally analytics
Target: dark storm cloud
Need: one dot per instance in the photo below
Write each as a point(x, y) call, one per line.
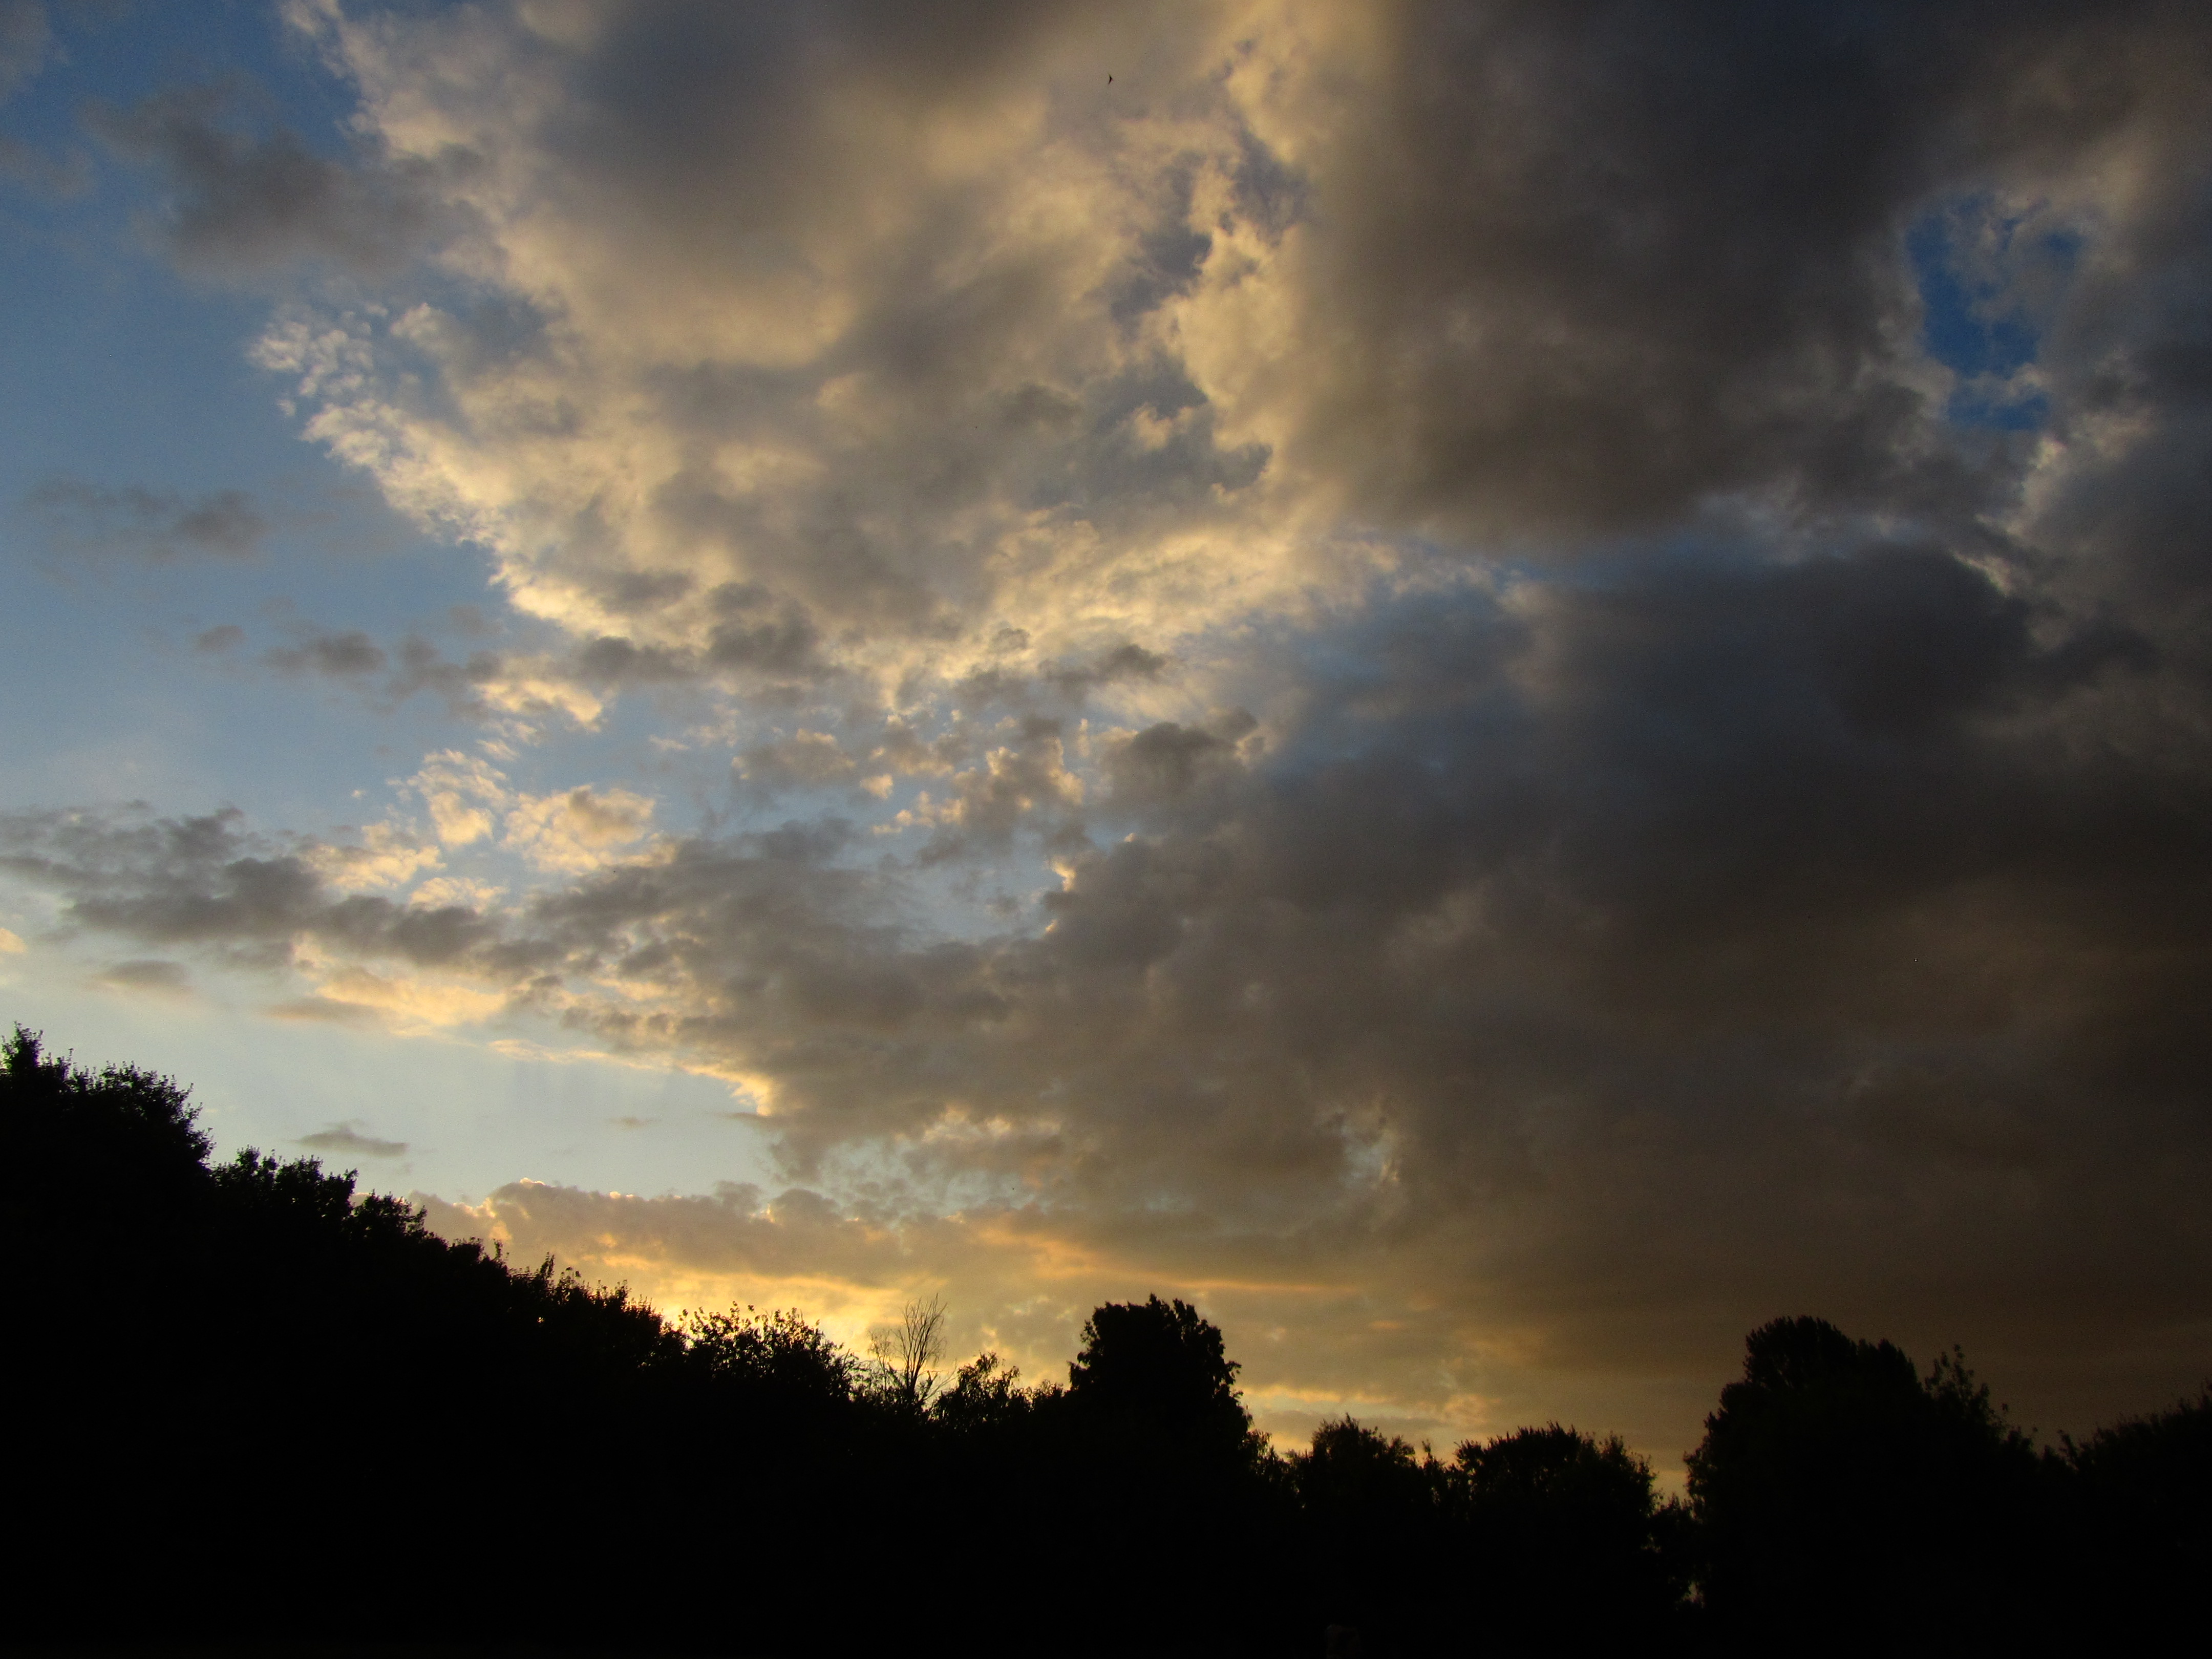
point(1591, 263)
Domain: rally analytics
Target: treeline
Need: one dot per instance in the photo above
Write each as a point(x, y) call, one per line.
point(248, 1403)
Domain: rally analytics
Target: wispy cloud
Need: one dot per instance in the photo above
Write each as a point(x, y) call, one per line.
point(85, 518)
point(347, 1140)
point(150, 977)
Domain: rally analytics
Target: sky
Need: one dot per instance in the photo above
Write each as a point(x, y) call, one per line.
point(1498, 688)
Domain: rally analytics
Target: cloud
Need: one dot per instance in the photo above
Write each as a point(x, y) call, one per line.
point(572, 830)
point(579, 830)
point(517, 692)
point(27, 46)
point(148, 524)
point(910, 408)
point(319, 1011)
point(407, 1000)
point(336, 655)
point(56, 175)
point(806, 758)
point(211, 882)
point(1025, 784)
point(458, 892)
point(1123, 662)
point(468, 687)
point(1167, 759)
point(385, 857)
point(347, 1140)
point(26, 38)
point(247, 197)
point(461, 791)
point(147, 977)
point(1005, 354)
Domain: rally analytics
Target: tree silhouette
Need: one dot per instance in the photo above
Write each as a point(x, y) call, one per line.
point(252, 1403)
point(1158, 1370)
point(780, 1353)
point(986, 1395)
point(906, 1354)
point(1369, 1514)
point(1840, 1495)
point(1570, 1529)
point(2142, 1531)
point(1162, 1478)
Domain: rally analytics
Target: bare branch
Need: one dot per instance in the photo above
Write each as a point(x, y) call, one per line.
point(907, 1352)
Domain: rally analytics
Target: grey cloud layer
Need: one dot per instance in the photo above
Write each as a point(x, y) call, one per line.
point(1712, 835)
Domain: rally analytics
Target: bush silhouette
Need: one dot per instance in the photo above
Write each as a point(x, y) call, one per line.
point(2140, 1530)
